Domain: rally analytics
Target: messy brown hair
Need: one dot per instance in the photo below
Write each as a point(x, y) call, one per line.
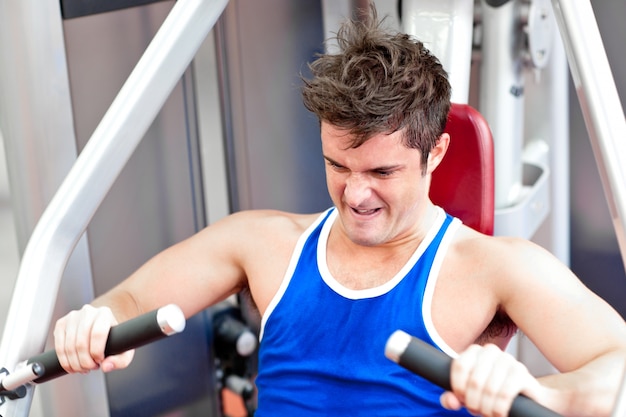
point(379, 82)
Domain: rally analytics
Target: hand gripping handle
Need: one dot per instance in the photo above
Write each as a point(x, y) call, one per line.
point(131, 334)
point(434, 365)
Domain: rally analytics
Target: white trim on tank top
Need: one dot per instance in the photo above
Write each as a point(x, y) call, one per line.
point(389, 285)
point(381, 289)
point(430, 288)
point(291, 268)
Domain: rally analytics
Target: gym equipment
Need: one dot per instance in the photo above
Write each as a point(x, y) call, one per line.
point(434, 365)
point(147, 328)
point(64, 222)
point(463, 184)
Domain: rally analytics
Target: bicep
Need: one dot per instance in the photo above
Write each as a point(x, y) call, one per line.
point(567, 322)
point(194, 274)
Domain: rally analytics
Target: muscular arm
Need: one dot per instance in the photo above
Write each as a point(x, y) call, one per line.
point(579, 333)
point(194, 274)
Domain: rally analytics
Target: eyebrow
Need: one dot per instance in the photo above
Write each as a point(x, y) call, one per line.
point(332, 161)
point(381, 168)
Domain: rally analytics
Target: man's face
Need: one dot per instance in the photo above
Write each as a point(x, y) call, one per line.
point(378, 188)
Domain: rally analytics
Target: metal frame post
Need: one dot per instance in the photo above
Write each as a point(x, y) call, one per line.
point(599, 101)
point(72, 207)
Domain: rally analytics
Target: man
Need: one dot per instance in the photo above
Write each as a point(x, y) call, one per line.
point(332, 287)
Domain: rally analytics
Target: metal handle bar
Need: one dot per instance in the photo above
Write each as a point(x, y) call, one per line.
point(131, 334)
point(434, 365)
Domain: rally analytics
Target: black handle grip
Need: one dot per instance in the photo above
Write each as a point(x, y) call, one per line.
point(131, 334)
point(496, 3)
point(430, 363)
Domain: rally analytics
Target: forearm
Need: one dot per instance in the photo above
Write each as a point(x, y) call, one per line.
point(588, 391)
point(121, 302)
point(148, 288)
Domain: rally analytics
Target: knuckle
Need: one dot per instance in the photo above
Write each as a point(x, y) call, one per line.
point(85, 362)
point(473, 349)
point(88, 308)
point(82, 345)
point(58, 333)
point(475, 385)
point(501, 407)
point(490, 391)
point(490, 347)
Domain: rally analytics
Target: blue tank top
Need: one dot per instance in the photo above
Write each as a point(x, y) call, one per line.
point(322, 344)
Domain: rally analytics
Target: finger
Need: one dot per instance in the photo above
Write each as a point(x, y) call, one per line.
point(99, 333)
point(450, 401)
point(70, 344)
point(461, 369)
point(495, 396)
point(72, 340)
point(510, 384)
point(491, 393)
point(59, 343)
point(78, 339)
point(479, 390)
point(120, 361)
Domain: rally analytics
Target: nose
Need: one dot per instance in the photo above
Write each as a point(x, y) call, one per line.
point(357, 190)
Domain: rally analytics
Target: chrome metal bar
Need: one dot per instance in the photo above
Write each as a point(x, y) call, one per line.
point(600, 103)
point(446, 28)
point(501, 98)
point(111, 145)
point(35, 87)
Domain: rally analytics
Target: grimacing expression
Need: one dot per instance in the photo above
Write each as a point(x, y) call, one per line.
point(379, 187)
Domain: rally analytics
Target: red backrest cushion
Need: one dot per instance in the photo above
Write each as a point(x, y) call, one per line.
point(463, 184)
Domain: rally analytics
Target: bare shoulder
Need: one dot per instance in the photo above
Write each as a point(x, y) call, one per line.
point(263, 242)
point(268, 225)
point(254, 238)
point(275, 218)
point(542, 296)
point(511, 258)
point(248, 249)
point(511, 265)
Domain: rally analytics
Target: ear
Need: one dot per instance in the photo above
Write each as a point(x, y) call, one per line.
point(438, 152)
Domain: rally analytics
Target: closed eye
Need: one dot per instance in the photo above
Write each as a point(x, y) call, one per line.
point(334, 164)
point(381, 172)
point(384, 172)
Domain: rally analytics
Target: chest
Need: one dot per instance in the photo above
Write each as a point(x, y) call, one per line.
point(365, 272)
point(460, 301)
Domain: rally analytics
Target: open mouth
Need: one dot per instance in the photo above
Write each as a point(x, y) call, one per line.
point(365, 212)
